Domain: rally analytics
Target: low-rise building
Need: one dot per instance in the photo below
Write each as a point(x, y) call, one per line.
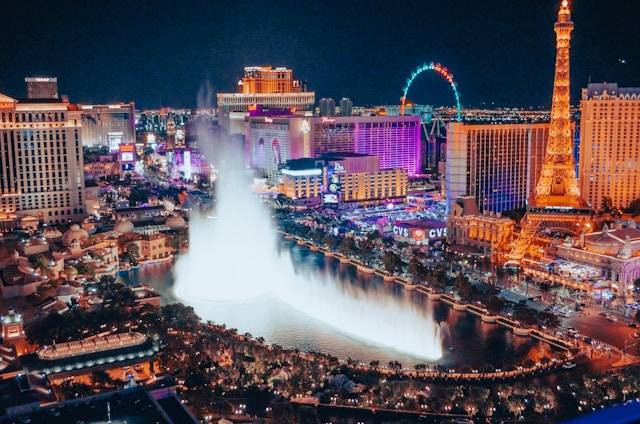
point(347, 179)
point(614, 252)
point(154, 246)
point(486, 232)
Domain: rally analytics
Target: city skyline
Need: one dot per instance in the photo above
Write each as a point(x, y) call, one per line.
point(317, 248)
point(161, 57)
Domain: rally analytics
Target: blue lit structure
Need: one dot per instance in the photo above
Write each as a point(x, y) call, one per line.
point(440, 70)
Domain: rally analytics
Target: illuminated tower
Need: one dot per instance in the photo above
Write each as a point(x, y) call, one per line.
point(558, 185)
point(557, 209)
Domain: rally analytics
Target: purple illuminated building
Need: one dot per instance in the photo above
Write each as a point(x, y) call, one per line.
point(395, 140)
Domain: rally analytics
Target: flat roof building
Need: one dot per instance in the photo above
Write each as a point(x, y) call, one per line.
point(262, 86)
point(609, 165)
point(42, 87)
point(41, 149)
point(498, 165)
point(108, 125)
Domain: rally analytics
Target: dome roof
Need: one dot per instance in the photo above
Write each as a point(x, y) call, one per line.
point(602, 243)
point(51, 233)
point(36, 241)
point(123, 227)
point(67, 290)
point(175, 222)
point(75, 234)
point(26, 269)
point(4, 216)
point(28, 218)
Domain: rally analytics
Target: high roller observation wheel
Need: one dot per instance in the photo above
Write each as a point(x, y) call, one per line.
point(439, 69)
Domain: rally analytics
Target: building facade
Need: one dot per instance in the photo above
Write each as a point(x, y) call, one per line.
point(41, 159)
point(394, 139)
point(327, 107)
point(303, 180)
point(344, 179)
point(108, 125)
point(498, 165)
point(265, 87)
point(488, 232)
point(266, 79)
point(614, 253)
point(346, 107)
point(42, 87)
point(271, 142)
point(610, 145)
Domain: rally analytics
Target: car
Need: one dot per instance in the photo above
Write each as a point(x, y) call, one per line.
point(611, 318)
point(569, 365)
point(632, 325)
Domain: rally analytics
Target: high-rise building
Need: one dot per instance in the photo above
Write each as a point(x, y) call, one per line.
point(266, 79)
point(327, 107)
point(270, 141)
point(610, 145)
point(264, 88)
point(346, 107)
point(41, 157)
point(42, 87)
point(394, 139)
point(108, 125)
point(498, 165)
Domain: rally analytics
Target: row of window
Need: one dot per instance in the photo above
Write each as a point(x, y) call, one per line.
point(32, 117)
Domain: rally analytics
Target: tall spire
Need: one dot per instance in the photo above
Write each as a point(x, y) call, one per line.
point(558, 185)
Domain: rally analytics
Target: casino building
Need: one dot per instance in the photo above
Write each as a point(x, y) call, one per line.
point(614, 252)
point(272, 140)
point(76, 357)
point(343, 179)
point(41, 156)
point(262, 86)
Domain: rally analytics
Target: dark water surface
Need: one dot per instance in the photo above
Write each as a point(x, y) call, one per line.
point(466, 339)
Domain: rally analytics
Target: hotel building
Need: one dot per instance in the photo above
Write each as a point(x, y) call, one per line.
point(610, 145)
point(271, 141)
point(394, 139)
point(343, 178)
point(41, 164)
point(108, 125)
point(498, 165)
point(265, 87)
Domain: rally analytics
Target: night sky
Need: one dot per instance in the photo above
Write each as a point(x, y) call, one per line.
point(159, 53)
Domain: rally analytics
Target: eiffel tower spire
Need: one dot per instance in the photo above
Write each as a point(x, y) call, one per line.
point(558, 185)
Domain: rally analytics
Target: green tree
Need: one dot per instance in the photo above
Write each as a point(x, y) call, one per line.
point(347, 246)
point(330, 241)
point(494, 304)
point(525, 315)
point(463, 287)
point(391, 262)
point(134, 250)
point(40, 262)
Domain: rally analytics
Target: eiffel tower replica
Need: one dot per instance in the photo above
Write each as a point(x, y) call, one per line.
point(556, 204)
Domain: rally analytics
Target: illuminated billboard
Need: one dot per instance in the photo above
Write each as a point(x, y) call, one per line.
point(330, 199)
